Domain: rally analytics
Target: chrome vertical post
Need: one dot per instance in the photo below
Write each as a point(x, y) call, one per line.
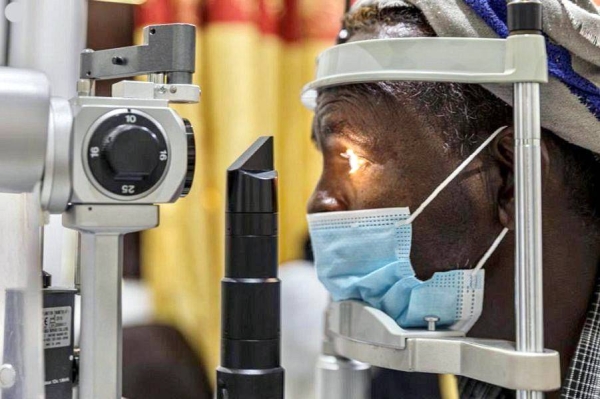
point(525, 17)
point(338, 377)
point(3, 33)
point(528, 201)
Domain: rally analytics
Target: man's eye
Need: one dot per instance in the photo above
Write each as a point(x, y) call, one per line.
point(356, 162)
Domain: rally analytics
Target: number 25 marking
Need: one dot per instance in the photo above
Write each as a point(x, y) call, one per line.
point(127, 189)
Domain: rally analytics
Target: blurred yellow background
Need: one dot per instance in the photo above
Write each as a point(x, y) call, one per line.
point(253, 57)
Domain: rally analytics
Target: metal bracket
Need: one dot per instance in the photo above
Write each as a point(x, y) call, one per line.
point(102, 228)
point(168, 49)
point(363, 323)
point(174, 93)
point(362, 333)
point(519, 58)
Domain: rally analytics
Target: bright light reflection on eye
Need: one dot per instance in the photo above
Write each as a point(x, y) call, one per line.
point(355, 161)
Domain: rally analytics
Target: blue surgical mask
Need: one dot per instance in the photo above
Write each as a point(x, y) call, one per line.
point(365, 255)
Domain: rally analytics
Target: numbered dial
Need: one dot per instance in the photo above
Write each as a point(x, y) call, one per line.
point(127, 154)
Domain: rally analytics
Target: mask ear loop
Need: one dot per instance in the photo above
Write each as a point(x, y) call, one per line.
point(452, 176)
point(490, 250)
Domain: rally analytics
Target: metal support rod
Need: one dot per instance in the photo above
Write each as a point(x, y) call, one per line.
point(528, 200)
point(3, 33)
point(101, 337)
point(102, 229)
point(337, 377)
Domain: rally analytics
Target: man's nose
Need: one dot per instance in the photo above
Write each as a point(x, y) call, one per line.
point(327, 198)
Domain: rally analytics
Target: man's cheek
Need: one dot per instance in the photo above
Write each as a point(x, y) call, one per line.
point(375, 187)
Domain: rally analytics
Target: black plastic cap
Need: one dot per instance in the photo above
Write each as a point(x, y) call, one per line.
point(250, 384)
point(525, 16)
point(251, 180)
point(46, 279)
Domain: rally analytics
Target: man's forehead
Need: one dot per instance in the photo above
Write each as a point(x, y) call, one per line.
point(381, 4)
point(370, 22)
point(344, 109)
point(368, 109)
point(349, 100)
point(379, 31)
point(339, 106)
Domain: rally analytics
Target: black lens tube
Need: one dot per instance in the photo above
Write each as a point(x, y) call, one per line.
point(250, 299)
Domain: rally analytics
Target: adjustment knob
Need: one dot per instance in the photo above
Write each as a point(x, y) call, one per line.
point(132, 152)
point(191, 158)
point(127, 154)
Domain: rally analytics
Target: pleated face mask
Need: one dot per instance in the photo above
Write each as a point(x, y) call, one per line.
point(365, 255)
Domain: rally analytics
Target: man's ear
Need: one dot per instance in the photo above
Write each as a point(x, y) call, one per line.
point(503, 151)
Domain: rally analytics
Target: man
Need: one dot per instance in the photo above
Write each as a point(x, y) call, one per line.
point(408, 137)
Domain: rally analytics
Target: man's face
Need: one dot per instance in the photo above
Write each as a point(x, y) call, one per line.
point(381, 152)
point(405, 156)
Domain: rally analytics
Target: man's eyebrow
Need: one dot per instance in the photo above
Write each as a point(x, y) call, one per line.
point(343, 129)
point(327, 128)
point(333, 127)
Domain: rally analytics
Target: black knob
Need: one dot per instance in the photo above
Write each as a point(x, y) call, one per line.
point(127, 154)
point(132, 152)
point(525, 16)
point(46, 279)
point(191, 158)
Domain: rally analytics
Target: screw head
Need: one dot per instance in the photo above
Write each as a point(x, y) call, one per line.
point(8, 376)
point(431, 320)
point(116, 60)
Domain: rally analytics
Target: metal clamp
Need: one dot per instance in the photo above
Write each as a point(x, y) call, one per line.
point(174, 93)
point(362, 333)
point(168, 49)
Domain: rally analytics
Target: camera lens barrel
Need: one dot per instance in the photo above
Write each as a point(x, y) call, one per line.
point(250, 342)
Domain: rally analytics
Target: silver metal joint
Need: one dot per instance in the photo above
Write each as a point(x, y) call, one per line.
point(85, 87)
point(8, 376)
point(174, 93)
point(157, 78)
point(89, 71)
point(431, 321)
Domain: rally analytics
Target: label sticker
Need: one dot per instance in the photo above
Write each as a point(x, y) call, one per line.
point(57, 327)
